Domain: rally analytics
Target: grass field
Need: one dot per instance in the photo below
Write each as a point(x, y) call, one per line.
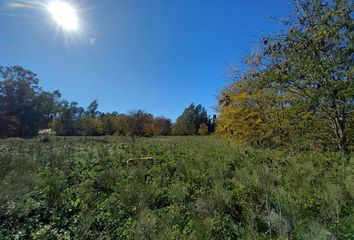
point(192, 188)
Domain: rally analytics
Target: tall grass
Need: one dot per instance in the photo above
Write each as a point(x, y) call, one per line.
point(194, 188)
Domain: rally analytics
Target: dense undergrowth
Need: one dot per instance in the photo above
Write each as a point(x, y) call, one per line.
point(194, 188)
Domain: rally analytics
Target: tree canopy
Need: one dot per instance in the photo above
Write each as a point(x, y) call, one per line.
point(299, 85)
point(24, 106)
point(190, 120)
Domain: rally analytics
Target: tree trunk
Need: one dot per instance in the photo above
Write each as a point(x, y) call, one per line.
point(339, 127)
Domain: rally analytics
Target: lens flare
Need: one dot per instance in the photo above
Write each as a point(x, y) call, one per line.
point(64, 14)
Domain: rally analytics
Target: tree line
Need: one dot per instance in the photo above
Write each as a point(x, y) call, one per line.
point(298, 88)
point(25, 108)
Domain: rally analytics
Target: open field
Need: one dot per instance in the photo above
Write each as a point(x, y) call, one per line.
point(192, 188)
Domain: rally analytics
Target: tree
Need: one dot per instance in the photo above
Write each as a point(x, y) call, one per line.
point(203, 129)
point(250, 113)
point(300, 78)
point(188, 123)
point(92, 111)
point(163, 126)
point(98, 126)
point(139, 124)
point(24, 107)
point(121, 125)
point(212, 125)
point(68, 120)
point(108, 125)
point(89, 123)
point(47, 107)
point(314, 60)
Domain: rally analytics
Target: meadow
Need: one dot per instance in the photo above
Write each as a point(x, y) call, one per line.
point(187, 188)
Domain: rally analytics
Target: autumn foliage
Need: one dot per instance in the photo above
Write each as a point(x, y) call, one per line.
point(298, 88)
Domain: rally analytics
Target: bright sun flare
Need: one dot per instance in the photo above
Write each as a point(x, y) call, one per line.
point(64, 14)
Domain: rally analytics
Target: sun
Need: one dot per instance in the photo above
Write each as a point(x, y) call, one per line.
point(64, 14)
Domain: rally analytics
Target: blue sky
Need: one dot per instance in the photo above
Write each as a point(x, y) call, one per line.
point(156, 55)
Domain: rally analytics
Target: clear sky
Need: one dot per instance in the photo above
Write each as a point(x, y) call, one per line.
point(155, 55)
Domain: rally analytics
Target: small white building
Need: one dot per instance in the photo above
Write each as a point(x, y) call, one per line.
point(48, 132)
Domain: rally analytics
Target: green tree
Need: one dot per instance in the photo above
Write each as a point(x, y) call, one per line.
point(67, 122)
point(188, 123)
point(163, 126)
point(203, 129)
point(108, 124)
point(92, 111)
point(314, 60)
point(24, 106)
point(88, 123)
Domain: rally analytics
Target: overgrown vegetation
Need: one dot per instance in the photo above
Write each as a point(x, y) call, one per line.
point(194, 188)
